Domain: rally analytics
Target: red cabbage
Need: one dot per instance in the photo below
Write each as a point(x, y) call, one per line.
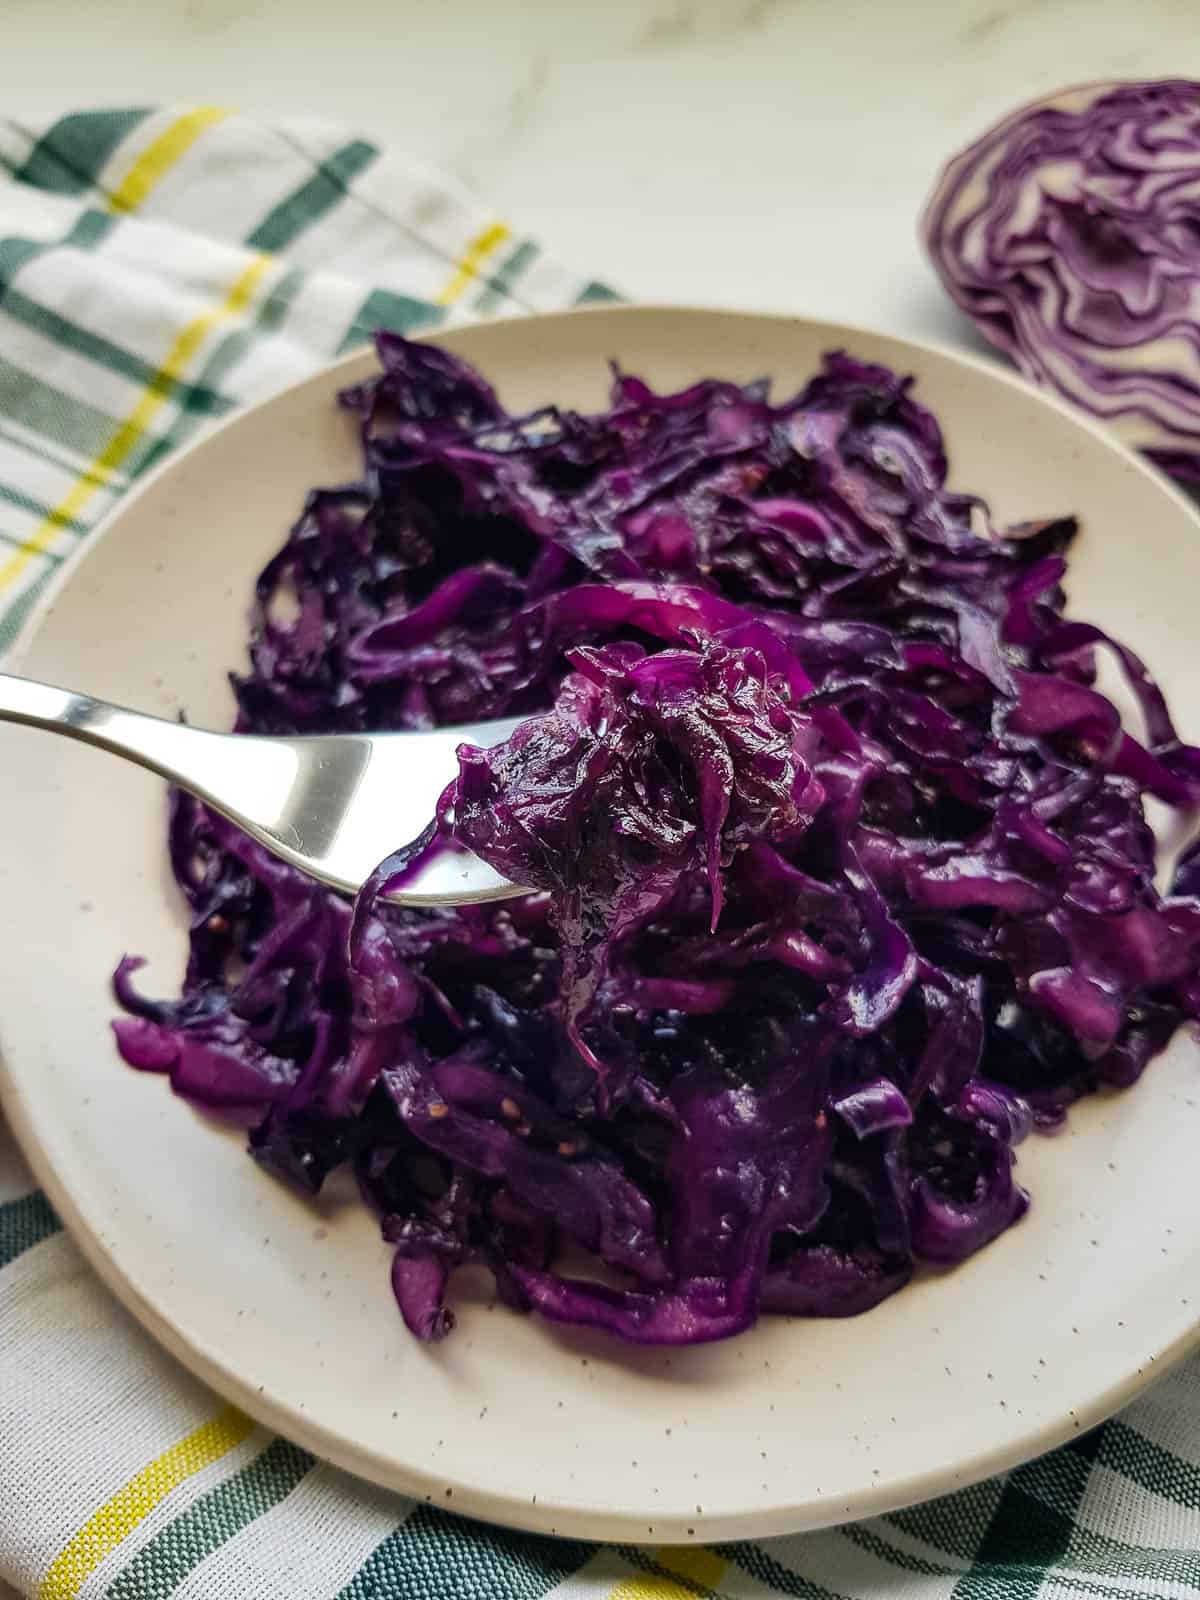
point(840, 877)
point(1068, 233)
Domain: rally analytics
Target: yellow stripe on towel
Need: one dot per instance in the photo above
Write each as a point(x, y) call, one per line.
point(161, 155)
point(699, 1571)
point(118, 1517)
point(477, 252)
point(131, 432)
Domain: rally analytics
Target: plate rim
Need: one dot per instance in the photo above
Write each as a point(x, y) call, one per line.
point(547, 1517)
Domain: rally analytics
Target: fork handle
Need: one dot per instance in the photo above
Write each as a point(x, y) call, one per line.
point(168, 748)
point(247, 779)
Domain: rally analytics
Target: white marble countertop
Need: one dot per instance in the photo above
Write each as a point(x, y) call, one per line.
point(762, 153)
point(768, 153)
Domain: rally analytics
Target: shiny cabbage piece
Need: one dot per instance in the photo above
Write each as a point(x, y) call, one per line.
point(650, 769)
point(841, 878)
point(741, 1164)
point(1068, 234)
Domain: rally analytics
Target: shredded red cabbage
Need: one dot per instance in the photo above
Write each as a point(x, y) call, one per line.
point(840, 871)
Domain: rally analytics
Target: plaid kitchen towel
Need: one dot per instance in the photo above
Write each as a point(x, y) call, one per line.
point(156, 269)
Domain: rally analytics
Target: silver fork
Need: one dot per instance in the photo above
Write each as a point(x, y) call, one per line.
point(332, 805)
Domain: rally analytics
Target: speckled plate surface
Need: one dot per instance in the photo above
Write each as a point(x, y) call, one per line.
point(286, 1308)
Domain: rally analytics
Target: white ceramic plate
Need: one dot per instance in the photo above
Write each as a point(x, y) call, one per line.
point(286, 1309)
